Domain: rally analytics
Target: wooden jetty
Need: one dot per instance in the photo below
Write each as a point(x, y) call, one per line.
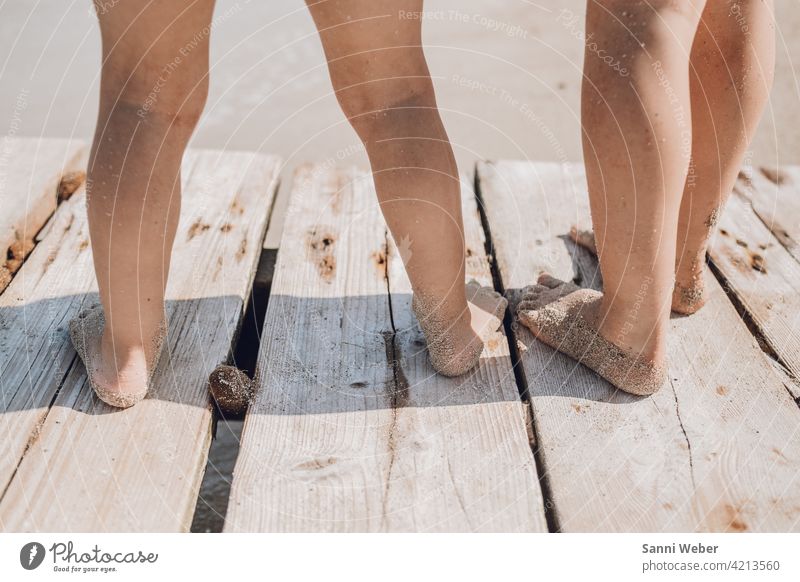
point(69, 462)
point(351, 429)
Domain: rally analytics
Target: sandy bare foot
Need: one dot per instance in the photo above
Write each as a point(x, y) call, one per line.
point(121, 384)
point(565, 317)
point(455, 347)
point(689, 294)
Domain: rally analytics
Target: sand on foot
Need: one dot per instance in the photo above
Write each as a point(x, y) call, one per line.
point(454, 347)
point(86, 332)
point(687, 297)
point(564, 316)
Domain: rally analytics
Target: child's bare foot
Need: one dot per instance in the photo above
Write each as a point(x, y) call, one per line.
point(689, 294)
point(120, 380)
point(566, 318)
point(455, 345)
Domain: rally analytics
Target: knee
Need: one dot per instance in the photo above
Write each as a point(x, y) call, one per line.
point(645, 13)
point(656, 24)
point(175, 92)
point(374, 112)
point(377, 104)
point(179, 99)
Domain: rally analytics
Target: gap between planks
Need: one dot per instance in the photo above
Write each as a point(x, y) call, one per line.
point(351, 429)
point(146, 474)
point(716, 450)
point(754, 252)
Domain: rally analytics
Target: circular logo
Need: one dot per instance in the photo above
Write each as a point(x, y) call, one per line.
point(31, 555)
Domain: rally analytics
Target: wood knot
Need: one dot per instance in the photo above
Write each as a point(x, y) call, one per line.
point(69, 184)
point(320, 247)
point(198, 227)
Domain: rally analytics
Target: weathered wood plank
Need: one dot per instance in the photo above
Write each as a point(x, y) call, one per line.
point(715, 450)
point(269, 254)
point(30, 172)
point(775, 197)
point(351, 429)
point(473, 425)
point(314, 444)
point(86, 466)
point(764, 278)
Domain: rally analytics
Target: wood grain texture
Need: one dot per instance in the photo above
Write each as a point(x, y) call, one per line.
point(351, 429)
point(30, 172)
point(80, 465)
point(475, 424)
point(775, 197)
point(763, 277)
point(714, 450)
point(313, 448)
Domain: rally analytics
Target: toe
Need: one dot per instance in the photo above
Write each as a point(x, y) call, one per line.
point(487, 299)
point(534, 299)
point(472, 288)
point(528, 315)
point(502, 304)
point(532, 292)
point(574, 233)
point(477, 293)
point(547, 280)
point(583, 237)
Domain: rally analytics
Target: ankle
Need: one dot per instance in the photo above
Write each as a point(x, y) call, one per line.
point(133, 348)
point(121, 348)
point(635, 326)
point(690, 267)
point(445, 306)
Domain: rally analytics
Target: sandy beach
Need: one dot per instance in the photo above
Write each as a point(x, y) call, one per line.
point(507, 76)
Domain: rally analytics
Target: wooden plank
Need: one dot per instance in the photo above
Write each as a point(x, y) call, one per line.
point(269, 253)
point(775, 197)
point(351, 429)
point(764, 278)
point(715, 450)
point(30, 172)
point(86, 466)
point(474, 424)
point(314, 443)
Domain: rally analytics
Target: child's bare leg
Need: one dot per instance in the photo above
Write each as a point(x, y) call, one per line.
point(153, 88)
point(636, 137)
point(381, 79)
point(732, 65)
